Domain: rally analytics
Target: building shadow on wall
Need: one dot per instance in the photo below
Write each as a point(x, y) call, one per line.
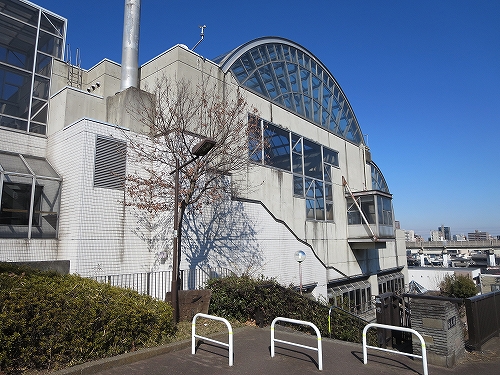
point(222, 236)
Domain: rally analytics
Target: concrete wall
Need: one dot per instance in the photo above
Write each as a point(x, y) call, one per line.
point(69, 104)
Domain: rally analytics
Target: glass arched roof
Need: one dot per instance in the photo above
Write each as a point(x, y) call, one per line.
point(378, 179)
point(288, 74)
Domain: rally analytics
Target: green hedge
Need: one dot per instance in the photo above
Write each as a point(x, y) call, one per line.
point(243, 298)
point(50, 321)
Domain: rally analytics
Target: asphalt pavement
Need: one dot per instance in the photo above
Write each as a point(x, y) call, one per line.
point(252, 356)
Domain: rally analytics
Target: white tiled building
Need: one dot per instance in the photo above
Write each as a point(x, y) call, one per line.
point(353, 250)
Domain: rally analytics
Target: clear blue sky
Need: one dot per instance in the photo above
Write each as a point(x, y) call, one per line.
point(423, 78)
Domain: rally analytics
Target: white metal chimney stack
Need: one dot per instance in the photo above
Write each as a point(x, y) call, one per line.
point(130, 44)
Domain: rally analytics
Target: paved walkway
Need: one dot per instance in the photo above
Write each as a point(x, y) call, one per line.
point(252, 357)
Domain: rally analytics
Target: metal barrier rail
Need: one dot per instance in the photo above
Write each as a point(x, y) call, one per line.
point(194, 335)
point(404, 329)
point(302, 322)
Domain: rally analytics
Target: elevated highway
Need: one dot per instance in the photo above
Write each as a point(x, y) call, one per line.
point(461, 246)
point(460, 253)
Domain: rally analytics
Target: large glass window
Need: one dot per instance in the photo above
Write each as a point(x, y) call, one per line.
point(16, 199)
point(384, 210)
point(373, 208)
point(367, 205)
point(31, 38)
point(277, 147)
point(30, 193)
point(312, 164)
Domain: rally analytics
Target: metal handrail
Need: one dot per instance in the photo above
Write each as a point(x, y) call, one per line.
point(403, 329)
point(194, 335)
point(301, 322)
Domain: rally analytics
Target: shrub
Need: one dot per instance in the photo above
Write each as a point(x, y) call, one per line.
point(243, 299)
point(458, 286)
point(50, 321)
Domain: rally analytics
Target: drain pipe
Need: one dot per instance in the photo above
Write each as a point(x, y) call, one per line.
point(130, 44)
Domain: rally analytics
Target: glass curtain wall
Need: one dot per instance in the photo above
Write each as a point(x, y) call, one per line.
point(312, 164)
point(288, 75)
point(30, 196)
point(30, 38)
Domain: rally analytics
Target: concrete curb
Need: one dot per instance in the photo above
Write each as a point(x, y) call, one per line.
point(90, 368)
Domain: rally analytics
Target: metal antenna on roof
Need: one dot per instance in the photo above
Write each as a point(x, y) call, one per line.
point(202, 34)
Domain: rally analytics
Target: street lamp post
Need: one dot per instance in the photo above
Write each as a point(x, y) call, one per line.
point(200, 149)
point(300, 256)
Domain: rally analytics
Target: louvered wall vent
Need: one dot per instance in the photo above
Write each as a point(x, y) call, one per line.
point(110, 162)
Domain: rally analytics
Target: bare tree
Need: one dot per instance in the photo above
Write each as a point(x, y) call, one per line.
point(176, 116)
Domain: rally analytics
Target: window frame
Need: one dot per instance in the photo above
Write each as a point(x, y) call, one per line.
point(301, 152)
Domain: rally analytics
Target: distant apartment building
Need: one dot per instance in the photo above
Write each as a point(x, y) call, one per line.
point(409, 235)
point(437, 235)
point(478, 236)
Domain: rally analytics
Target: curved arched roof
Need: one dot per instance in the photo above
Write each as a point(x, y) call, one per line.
point(286, 73)
point(378, 179)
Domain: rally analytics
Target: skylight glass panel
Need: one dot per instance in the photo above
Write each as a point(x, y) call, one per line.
point(239, 71)
point(324, 117)
point(327, 95)
point(287, 54)
point(316, 112)
point(293, 78)
point(257, 58)
point(316, 86)
point(342, 125)
point(313, 66)
point(272, 52)
point(299, 107)
point(288, 102)
point(300, 58)
point(253, 84)
point(333, 124)
point(292, 74)
point(307, 107)
point(267, 78)
point(247, 62)
point(304, 78)
point(279, 71)
point(264, 55)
